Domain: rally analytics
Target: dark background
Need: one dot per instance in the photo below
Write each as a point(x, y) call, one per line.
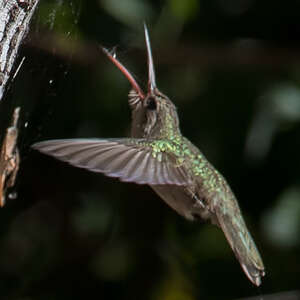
point(232, 68)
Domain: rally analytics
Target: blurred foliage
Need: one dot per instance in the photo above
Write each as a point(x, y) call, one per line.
point(232, 69)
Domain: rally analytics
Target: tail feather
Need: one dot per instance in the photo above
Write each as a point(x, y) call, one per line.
point(232, 223)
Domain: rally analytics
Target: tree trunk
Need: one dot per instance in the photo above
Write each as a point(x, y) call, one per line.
point(15, 16)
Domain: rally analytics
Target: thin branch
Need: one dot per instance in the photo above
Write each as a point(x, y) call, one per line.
point(259, 54)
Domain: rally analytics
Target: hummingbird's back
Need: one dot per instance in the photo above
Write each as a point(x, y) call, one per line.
point(207, 195)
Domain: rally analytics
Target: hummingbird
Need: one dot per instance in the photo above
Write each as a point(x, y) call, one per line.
point(158, 155)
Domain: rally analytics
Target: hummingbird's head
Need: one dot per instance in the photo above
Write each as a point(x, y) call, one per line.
point(153, 113)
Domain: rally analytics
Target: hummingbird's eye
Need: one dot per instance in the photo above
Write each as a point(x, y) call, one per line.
point(151, 103)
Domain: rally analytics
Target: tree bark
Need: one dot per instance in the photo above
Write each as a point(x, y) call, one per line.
point(15, 17)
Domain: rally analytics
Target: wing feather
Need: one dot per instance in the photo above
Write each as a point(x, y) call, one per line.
point(128, 159)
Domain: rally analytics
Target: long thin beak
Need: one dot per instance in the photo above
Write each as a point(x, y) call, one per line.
point(151, 71)
point(127, 74)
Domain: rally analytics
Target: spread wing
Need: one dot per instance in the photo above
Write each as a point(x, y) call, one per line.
point(130, 160)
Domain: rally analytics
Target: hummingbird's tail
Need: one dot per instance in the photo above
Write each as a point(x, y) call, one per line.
point(232, 223)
